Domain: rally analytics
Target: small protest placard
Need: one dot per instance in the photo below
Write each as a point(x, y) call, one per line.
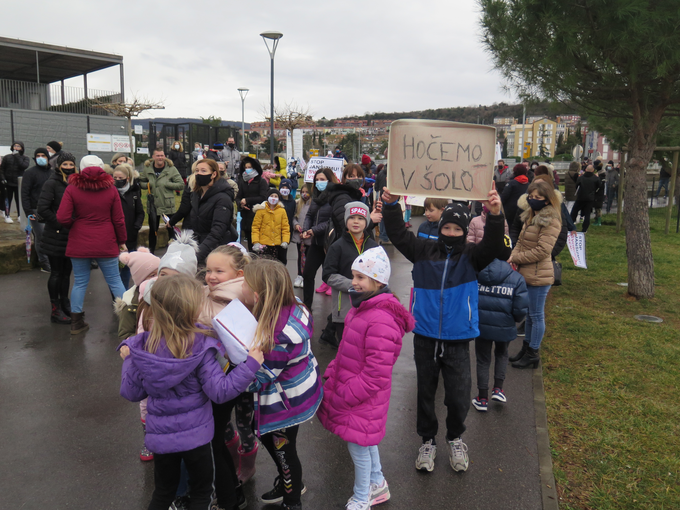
point(577, 249)
point(335, 164)
point(441, 159)
point(235, 326)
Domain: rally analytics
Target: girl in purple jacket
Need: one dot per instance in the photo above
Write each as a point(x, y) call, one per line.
point(174, 366)
point(359, 379)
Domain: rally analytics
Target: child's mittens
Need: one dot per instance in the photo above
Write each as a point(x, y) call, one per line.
point(284, 245)
point(258, 247)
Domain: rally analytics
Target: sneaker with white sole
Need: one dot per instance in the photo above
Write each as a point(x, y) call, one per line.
point(8, 219)
point(481, 404)
point(299, 282)
point(355, 504)
point(379, 493)
point(458, 455)
point(426, 455)
point(276, 494)
point(498, 395)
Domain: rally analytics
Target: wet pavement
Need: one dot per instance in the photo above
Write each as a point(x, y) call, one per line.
point(68, 440)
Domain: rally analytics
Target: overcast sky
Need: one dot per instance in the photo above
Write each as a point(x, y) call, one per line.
point(340, 58)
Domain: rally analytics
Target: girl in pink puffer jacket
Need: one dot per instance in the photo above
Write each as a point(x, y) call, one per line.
point(359, 379)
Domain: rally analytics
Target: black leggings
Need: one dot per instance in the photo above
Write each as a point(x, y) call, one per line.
point(226, 478)
point(60, 277)
point(153, 235)
point(12, 192)
point(314, 260)
point(167, 468)
point(282, 447)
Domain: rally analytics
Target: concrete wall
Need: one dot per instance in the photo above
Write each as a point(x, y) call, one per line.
point(36, 128)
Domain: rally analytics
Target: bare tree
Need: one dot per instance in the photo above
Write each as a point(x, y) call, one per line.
point(129, 110)
point(290, 116)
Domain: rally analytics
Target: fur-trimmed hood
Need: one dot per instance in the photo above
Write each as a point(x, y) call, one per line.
point(91, 178)
point(542, 218)
point(168, 162)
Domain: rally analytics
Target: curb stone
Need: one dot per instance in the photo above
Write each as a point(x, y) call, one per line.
point(548, 490)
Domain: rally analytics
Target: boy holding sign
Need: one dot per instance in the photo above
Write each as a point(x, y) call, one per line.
point(444, 304)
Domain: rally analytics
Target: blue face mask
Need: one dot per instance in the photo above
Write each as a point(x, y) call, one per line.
point(41, 161)
point(321, 185)
point(250, 173)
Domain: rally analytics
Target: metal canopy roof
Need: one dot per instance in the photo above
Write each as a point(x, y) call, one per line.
point(18, 61)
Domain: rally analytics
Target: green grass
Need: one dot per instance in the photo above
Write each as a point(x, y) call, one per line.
point(178, 199)
point(611, 381)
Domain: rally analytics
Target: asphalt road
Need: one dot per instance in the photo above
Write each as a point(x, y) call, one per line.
point(68, 440)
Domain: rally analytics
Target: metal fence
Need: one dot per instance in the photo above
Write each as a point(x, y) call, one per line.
point(53, 97)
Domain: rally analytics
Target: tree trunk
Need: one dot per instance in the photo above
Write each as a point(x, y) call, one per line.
point(129, 130)
point(638, 238)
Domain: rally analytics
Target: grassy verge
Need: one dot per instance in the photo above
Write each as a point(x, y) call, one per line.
point(178, 199)
point(610, 380)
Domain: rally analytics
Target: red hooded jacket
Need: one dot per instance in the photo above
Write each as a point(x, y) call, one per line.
point(92, 211)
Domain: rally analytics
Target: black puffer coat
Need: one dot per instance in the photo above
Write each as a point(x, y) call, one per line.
point(180, 161)
point(255, 192)
point(31, 186)
point(133, 210)
point(318, 216)
point(183, 211)
point(210, 217)
point(340, 195)
point(55, 236)
point(13, 166)
point(511, 193)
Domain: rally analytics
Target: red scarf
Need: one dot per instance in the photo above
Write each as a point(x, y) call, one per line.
point(522, 179)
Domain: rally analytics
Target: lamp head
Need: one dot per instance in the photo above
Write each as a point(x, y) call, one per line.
point(271, 34)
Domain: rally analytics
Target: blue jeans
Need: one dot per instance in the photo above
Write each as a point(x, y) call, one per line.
point(367, 469)
point(535, 325)
point(383, 232)
point(663, 183)
point(125, 275)
point(81, 275)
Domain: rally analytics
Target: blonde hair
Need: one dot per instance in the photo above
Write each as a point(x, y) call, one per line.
point(125, 169)
point(176, 302)
point(548, 192)
point(271, 281)
point(238, 260)
point(301, 203)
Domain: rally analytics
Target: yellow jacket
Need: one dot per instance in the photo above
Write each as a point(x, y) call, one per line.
point(270, 226)
point(283, 174)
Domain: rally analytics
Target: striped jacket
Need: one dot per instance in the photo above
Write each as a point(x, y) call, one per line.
point(287, 387)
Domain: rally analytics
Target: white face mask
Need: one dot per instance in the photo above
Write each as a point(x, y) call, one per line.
point(273, 200)
point(285, 192)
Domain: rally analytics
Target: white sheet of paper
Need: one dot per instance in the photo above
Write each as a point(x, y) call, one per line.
point(235, 327)
point(577, 249)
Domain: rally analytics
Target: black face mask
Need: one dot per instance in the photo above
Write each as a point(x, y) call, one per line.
point(536, 205)
point(203, 180)
point(354, 183)
point(119, 183)
point(453, 243)
point(230, 145)
point(68, 171)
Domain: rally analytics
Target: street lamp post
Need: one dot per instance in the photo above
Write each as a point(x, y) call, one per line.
point(274, 38)
point(243, 93)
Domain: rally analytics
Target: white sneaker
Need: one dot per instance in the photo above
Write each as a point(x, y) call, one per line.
point(458, 455)
point(8, 219)
point(299, 282)
point(355, 504)
point(426, 455)
point(379, 493)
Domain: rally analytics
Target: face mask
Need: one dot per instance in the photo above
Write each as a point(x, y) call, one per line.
point(250, 174)
point(455, 243)
point(14, 151)
point(536, 205)
point(285, 192)
point(273, 200)
point(120, 183)
point(41, 161)
point(68, 171)
point(355, 183)
point(321, 185)
point(230, 145)
point(305, 196)
point(176, 147)
point(203, 180)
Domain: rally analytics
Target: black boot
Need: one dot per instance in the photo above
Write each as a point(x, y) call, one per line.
point(521, 352)
point(328, 334)
point(66, 306)
point(531, 358)
point(58, 315)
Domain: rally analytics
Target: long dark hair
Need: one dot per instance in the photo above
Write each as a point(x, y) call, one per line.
point(253, 162)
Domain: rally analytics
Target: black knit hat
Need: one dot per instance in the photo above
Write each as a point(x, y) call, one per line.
point(65, 156)
point(456, 213)
point(55, 146)
point(40, 150)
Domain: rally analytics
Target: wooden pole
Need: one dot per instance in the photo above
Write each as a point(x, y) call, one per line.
point(619, 198)
point(670, 196)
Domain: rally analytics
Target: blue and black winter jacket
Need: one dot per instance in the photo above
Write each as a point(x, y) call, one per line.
point(503, 301)
point(429, 230)
point(445, 293)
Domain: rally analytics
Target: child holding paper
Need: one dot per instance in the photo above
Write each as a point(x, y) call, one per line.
point(287, 386)
point(224, 279)
point(174, 366)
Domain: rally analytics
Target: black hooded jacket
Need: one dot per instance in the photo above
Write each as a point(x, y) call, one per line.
point(339, 195)
point(55, 236)
point(13, 166)
point(133, 210)
point(318, 216)
point(255, 192)
point(31, 185)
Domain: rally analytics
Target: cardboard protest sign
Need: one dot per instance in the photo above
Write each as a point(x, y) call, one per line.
point(441, 159)
point(335, 164)
point(577, 249)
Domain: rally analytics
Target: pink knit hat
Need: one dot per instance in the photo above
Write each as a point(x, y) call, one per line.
point(141, 263)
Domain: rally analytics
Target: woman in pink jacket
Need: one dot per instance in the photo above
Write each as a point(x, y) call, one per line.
point(476, 228)
point(359, 380)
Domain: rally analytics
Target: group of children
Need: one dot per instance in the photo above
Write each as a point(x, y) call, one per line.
point(176, 366)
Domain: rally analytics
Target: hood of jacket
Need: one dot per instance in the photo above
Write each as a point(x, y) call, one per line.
point(161, 371)
point(91, 178)
point(542, 218)
point(263, 205)
point(149, 162)
point(23, 146)
point(390, 304)
point(337, 189)
point(495, 272)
